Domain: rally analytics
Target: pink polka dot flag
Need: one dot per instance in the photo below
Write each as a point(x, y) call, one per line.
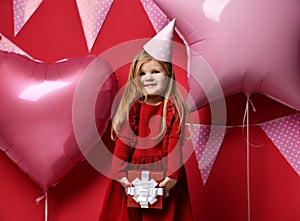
point(285, 134)
point(158, 19)
point(7, 45)
point(23, 10)
point(93, 14)
point(207, 141)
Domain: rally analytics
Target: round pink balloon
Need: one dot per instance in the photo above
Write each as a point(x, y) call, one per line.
point(36, 129)
point(252, 46)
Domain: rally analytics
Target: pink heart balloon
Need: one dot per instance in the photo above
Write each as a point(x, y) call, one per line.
point(36, 129)
point(252, 46)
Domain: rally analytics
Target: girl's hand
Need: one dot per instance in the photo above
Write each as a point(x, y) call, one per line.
point(168, 184)
point(125, 183)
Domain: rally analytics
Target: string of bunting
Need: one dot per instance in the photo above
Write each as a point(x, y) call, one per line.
point(92, 13)
point(284, 133)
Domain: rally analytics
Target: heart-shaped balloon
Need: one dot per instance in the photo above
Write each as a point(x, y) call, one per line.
point(36, 100)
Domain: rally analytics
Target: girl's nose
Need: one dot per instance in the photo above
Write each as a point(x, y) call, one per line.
point(148, 77)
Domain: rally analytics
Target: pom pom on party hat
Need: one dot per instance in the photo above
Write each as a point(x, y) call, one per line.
point(161, 45)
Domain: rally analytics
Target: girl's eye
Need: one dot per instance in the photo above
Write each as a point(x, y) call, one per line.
point(155, 72)
point(142, 73)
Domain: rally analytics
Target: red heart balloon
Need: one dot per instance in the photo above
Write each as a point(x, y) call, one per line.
point(36, 129)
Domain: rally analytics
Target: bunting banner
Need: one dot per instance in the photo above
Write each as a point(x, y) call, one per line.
point(92, 14)
point(23, 10)
point(283, 132)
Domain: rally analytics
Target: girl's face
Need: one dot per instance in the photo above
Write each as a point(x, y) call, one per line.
point(153, 78)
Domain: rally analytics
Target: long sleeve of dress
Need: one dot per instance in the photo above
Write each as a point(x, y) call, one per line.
point(121, 158)
point(124, 145)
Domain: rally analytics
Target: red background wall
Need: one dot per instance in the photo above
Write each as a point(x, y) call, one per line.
point(54, 32)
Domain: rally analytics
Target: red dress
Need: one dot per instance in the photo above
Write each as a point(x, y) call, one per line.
point(140, 151)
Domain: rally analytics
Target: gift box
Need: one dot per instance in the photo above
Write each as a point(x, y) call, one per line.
point(145, 193)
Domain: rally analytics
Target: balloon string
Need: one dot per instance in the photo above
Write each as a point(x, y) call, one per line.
point(248, 162)
point(38, 200)
point(46, 206)
point(252, 105)
point(246, 118)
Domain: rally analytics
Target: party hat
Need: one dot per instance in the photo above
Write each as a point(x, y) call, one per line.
point(161, 45)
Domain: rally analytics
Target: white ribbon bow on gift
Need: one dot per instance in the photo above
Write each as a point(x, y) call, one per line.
point(144, 190)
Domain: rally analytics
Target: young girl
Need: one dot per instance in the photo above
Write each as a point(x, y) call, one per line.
point(149, 129)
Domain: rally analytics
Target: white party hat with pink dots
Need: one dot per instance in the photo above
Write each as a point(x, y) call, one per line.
point(161, 45)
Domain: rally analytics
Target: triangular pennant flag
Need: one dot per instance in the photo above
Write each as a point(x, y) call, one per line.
point(158, 19)
point(285, 134)
point(207, 141)
point(92, 14)
point(7, 45)
point(23, 10)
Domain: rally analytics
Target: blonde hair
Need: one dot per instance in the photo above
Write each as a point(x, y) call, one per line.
point(134, 90)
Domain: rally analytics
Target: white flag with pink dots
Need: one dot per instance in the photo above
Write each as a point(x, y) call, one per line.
point(285, 134)
point(23, 10)
point(158, 19)
point(93, 14)
point(7, 45)
point(207, 141)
